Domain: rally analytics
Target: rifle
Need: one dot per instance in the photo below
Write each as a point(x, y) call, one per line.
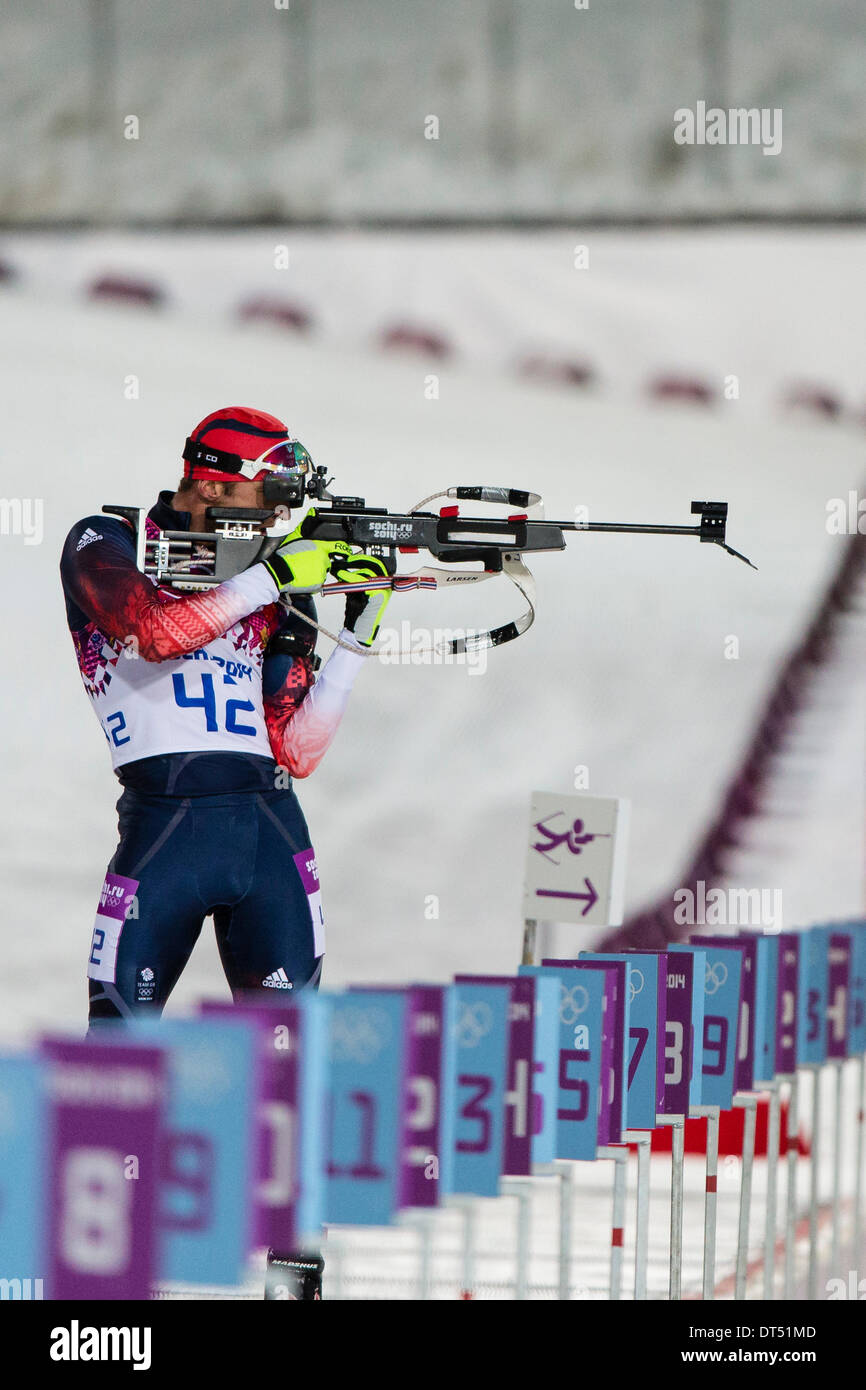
point(498, 543)
point(199, 560)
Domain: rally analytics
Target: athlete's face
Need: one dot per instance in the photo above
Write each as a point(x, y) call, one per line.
point(240, 493)
point(246, 494)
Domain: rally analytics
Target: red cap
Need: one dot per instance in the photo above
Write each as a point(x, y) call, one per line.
point(236, 430)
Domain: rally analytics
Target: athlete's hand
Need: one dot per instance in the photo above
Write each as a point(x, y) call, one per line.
point(301, 566)
point(365, 607)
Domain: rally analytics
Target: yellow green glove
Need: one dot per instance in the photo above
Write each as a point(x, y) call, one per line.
point(302, 566)
point(365, 607)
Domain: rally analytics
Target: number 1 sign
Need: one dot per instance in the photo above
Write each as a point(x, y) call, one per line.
point(366, 1076)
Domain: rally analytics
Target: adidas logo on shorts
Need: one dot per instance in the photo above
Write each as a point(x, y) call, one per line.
point(278, 980)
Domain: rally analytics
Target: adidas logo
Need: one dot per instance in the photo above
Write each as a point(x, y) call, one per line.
point(278, 980)
point(89, 536)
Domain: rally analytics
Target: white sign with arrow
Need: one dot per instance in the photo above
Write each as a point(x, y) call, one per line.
point(575, 859)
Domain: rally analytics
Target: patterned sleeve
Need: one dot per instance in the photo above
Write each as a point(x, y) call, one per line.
point(303, 714)
point(100, 578)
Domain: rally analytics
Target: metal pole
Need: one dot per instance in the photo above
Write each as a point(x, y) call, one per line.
point(617, 1236)
point(791, 1156)
point(530, 932)
point(565, 1168)
point(619, 1154)
point(470, 1222)
point(858, 1175)
point(520, 1188)
point(837, 1169)
point(424, 1223)
point(771, 1215)
point(678, 1125)
point(750, 1105)
point(643, 1139)
point(812, 1282)
point(334, 1267)
point(711, 1112)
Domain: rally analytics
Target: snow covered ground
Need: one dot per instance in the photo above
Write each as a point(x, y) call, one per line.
point(426, 789)
point(772, 308)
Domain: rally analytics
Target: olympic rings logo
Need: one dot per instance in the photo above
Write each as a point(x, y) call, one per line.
point(716, 976)
point(359, 1034)
point(573, 1001)
point(474, 1022)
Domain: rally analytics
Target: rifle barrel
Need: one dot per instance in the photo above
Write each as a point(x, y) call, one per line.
point(627, 526)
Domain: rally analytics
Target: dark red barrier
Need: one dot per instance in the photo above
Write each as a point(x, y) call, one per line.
point(560, 371)
point(818, 400)
point(127, 290)
point(412, 338)
point(682, 388)
point(282, 312)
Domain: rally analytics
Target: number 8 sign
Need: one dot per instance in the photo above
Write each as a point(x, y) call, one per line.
point(106, 1104)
